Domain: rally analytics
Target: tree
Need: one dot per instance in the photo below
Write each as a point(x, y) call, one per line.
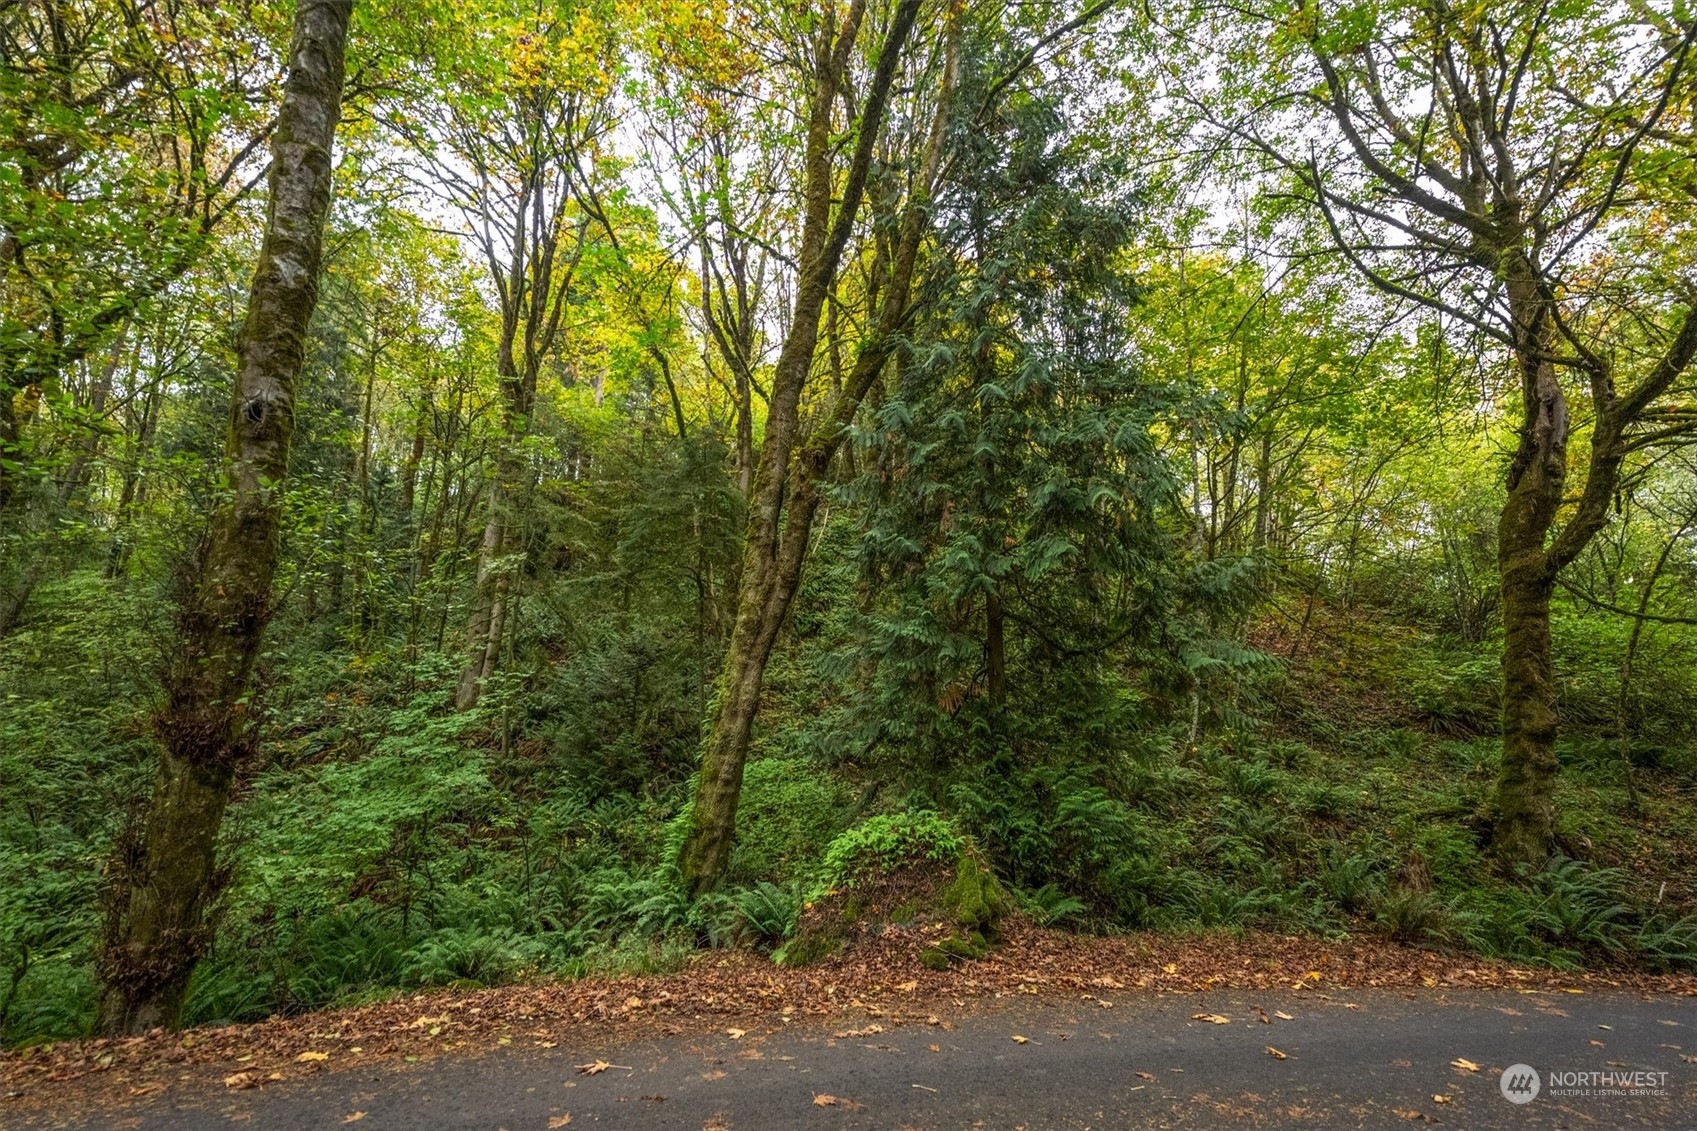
point(1021, 536)
point(792, 463)
point(1507, 167)
point(165, 880)
point(127, 132)
point(509, 107)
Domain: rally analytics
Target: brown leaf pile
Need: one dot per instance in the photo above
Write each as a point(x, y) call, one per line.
point(879, 978)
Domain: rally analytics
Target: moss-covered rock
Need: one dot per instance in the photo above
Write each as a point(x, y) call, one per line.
point(909, 873)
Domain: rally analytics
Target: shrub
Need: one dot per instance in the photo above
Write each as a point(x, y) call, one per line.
point(888, 841)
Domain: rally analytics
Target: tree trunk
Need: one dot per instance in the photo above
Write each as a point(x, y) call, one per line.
point(995, 649)
point(785, 493)
point(1525, 803)
point(1525, 827)
point(489, 598)
point(761, 611)
point(157, 927)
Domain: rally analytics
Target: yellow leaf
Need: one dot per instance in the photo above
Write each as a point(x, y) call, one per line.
point(823, 1099)
point(1019, 1040)
point(1439, 1099)
point(597, 1067)
point(1211, 1018)
point(353, 1117)
point(908, 987)
point(239, 1080)
point(1283, 1016)
point(560, 1120)
point(1276, 1054)
point(309, 1056)
point(1464, 1064)
point(934, 1048)
point(736, 1034)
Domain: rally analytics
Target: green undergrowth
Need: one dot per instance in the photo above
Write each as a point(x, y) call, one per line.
point(382, 843)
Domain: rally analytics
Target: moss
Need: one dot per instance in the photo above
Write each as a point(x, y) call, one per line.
point(975, 903)
point(961, 894)
point(808, 948)
point(976, 900)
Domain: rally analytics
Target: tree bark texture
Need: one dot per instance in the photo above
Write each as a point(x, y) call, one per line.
point(164, 875)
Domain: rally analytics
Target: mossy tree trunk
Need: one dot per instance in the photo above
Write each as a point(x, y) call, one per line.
point(1530, 558)
point(165, 874)
point(793, 465)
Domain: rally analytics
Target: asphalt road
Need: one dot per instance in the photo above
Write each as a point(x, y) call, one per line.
point(1369, 1059)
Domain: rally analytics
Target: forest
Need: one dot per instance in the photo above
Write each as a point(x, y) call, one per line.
point(500, 490)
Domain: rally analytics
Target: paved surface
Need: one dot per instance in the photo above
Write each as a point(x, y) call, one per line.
point(1142, 1063)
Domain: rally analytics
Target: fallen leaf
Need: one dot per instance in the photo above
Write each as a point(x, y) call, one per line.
point(934, 1048)
point(1283, 1016)
point(1464, 1064)
point(1598, 1044)
point(713, 1075)
point(353, 1117)
point(1145, 1075)
point(824, 1099)
point(736, 1034)
point(1019, 1040)
point(1211, 1018)
point(1171, 968)
point(908, 987)
point(1440, 1099)
point(1609, 1027)
point(560, 1120)
point(1276, 1054)
point(1573, 991)
point(239, 1080)
point(147, 1089)
point(633, 1002)
point(305, 1057)
point(600, 1066)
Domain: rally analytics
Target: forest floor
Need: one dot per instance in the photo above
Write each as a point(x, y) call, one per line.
point(542, 1054)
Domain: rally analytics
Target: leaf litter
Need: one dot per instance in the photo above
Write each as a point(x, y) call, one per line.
point(878, 977)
